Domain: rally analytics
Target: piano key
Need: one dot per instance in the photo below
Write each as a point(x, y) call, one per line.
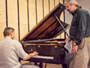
point(43, 57)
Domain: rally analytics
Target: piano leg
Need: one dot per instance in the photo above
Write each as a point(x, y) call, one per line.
point(67, 60)
point(40, 64)
point(65, 65)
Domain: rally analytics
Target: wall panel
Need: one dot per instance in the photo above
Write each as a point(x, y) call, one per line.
point(39, 10)
point(56, 2)
point(51, 4)
point(2, 18)
point(46, 7)
point(32, 14)
point(23, 18)
point(12, 16)
point(62, 19)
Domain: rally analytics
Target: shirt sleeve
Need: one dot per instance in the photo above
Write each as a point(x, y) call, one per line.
point(82, 20)
point(20, 51)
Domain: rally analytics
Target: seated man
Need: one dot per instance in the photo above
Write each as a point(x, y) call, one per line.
point(11, 50)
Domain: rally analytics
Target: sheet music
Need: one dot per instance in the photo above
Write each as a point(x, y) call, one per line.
point(68, 46)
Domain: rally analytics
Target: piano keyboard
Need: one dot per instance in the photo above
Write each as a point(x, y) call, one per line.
point(43, 57)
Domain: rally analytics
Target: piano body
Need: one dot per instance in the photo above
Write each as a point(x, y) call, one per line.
point(40, 39)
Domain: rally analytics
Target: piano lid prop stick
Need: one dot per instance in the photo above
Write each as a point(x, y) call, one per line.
point(62, 26)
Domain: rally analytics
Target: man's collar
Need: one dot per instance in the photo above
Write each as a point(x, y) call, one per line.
point(75, 12)
point(7, 37)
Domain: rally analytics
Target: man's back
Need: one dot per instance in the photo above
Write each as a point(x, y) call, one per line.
point(10, 53)
point(11, 50)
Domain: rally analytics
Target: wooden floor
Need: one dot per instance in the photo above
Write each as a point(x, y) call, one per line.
point(53, 66)
point(48, 65)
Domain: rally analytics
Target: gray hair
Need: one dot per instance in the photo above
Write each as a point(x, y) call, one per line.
point(7, 31)
point(73, 2)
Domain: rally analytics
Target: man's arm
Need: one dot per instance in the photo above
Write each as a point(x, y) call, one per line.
point(31, 55)
point(82, 20)
point(21, 53)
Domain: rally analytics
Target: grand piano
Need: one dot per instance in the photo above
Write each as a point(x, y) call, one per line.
point(42, 38)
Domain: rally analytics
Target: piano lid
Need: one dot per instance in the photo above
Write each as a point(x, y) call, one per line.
point(49, 27)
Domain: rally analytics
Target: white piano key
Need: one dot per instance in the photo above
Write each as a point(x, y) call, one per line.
point(43, 57)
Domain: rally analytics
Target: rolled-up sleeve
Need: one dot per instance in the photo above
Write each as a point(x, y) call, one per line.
point(20, 51)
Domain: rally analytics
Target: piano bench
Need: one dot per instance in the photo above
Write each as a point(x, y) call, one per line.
point(29, 66)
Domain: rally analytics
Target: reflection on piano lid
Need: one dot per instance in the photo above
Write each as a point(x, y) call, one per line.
point(47, 28)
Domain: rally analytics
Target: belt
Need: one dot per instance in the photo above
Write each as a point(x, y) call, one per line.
point(87, 36)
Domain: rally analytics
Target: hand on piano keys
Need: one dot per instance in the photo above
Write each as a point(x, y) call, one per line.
point(34, 54)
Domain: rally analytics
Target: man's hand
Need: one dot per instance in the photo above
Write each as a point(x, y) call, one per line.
point(74, 49)
point(34, 53)
point(68, 39)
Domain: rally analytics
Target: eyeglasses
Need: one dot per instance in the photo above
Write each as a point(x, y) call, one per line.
point(68, 6)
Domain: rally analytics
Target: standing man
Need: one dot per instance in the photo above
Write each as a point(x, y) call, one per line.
point(80, 34)
point(11, 50)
